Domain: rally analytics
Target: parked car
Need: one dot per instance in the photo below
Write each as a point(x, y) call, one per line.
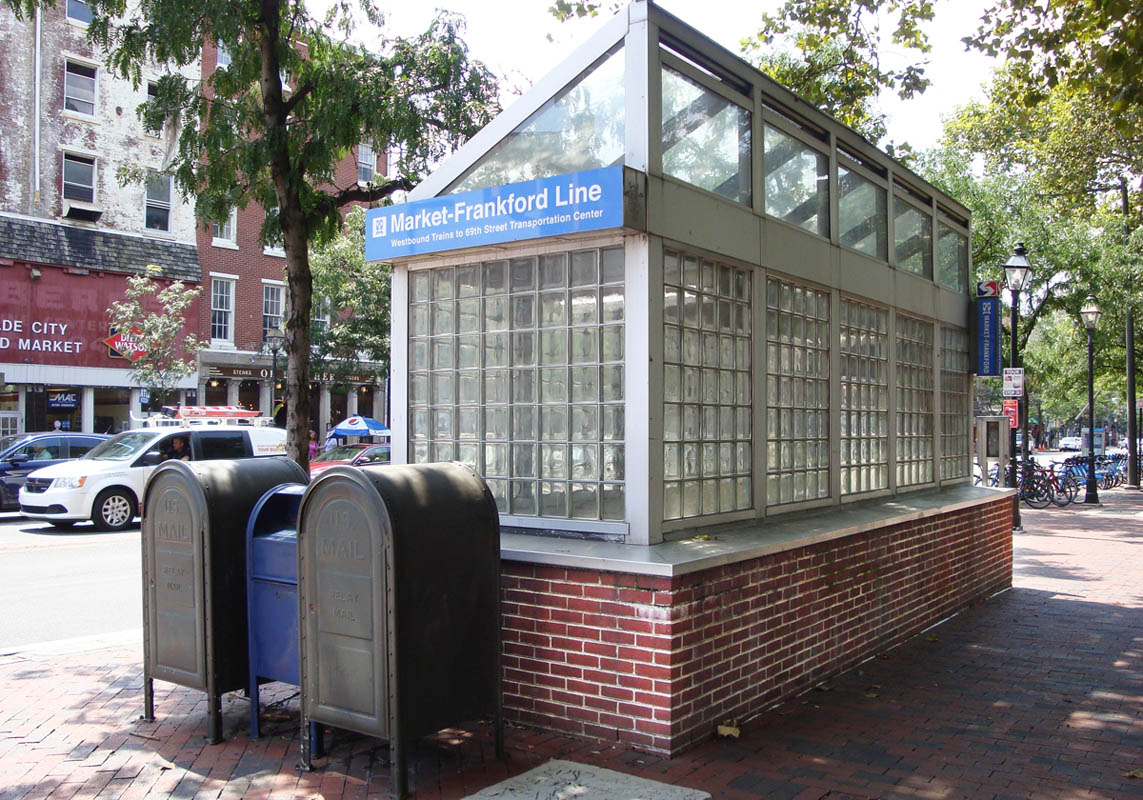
point(1071, 443)
point(351, 454)
point(106, 484)
point(23, 453)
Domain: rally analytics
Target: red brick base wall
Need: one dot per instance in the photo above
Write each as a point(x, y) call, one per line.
point(657, 662)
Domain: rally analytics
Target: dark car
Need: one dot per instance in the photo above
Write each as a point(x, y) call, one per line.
point(22, 453)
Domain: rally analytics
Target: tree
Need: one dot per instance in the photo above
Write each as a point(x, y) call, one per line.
point(272, 127)
point(166, 350)
point(355, 293)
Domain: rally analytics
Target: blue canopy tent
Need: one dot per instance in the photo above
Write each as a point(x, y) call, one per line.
point(357, 426)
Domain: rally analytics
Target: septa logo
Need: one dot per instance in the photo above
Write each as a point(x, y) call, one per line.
point(380, 226)
point(125, 345)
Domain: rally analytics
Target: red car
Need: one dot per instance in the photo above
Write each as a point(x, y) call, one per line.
point(355, 455)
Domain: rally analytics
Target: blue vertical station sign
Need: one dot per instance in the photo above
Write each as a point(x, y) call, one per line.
point(581, 201)
point(988, 329)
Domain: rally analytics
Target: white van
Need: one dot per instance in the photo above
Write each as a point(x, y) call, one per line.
point(106, 484)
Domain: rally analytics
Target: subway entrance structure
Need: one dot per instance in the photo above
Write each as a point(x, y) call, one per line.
point(710, 350)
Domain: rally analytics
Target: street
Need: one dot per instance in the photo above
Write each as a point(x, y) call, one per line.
point(57, 585)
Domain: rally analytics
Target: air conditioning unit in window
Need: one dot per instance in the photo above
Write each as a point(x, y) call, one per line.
point(81, 212)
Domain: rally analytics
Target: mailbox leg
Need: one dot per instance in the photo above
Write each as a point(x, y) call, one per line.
point(317, 743)
point(148, 700)
point(307, 745)
point(214, 719)
point(255, 707)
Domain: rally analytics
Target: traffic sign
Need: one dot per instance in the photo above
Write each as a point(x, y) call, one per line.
point(1013, 382)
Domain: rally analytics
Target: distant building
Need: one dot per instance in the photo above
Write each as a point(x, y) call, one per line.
point(70, 234)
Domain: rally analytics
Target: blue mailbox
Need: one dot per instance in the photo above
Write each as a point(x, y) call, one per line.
point(272, 591)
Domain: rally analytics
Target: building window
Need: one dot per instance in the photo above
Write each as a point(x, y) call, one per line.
point(366, 163)
point(78, 178)
point(516, 369)
point(226, 232)
point(864, 398)
point(79, 88)
point(222, 311)
point(277, 247)
point(319, 313)
point(956, 399)
point(706, 138)
point(222, 56)
point(914, 401)
point(707, 457)
point(913, 237)
point(797, 393)
point(863, 218)
point(272, 305)
point(79, 11)
point(158, 213)
point(796, 181)
point(952, 257)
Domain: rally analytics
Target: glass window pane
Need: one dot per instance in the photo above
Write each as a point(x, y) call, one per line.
point(706, 138)
point(797, 182)
point(863, 218)
point(952, 254)
point(913, 237)
point(582, 128)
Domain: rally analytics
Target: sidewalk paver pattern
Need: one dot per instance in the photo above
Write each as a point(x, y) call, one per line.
point(1036, 693)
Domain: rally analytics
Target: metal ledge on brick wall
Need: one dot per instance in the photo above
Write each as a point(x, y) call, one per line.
point(729, 544)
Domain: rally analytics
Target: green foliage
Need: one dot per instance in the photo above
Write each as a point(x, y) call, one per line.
point(838, 65)
point(356, 338)
point(297, 97)
point(1093, 45)
point(158, 311)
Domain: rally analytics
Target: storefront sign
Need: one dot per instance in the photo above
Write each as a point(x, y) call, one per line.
point(126, 345)
point(63, 399)
point(581, 201)
point(988, 336)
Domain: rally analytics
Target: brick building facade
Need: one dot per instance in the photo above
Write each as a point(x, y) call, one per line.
point(69, 232)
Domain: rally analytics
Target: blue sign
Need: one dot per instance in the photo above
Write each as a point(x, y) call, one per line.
point(988, 336)
point(581, 201)
point(63, 400)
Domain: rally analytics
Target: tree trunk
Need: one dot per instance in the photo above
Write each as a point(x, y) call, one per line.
point(298, 339)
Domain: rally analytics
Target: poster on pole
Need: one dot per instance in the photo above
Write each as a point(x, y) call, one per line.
point(1012, 411)
point(1013, 382)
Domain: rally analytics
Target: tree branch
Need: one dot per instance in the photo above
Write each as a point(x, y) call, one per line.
point(370, 193)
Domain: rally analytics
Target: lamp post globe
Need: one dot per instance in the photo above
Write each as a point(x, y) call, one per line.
point(1090, 314)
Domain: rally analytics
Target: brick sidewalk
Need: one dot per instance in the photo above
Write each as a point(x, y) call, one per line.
point(1037, 693)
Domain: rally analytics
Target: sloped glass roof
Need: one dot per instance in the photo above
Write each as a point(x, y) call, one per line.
point(581, 128)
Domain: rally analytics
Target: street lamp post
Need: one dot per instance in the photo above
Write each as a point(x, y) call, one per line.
point(274, 342)
point(1090, 312)
point(1017, 273)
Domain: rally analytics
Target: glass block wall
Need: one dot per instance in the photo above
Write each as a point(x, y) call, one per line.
point(707, 376)
point(797, 393)
point(914, 401)
point(516, 369)
point(956, 403)
point(864, 398)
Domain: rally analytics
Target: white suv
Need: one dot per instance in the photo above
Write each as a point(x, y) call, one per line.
point(106, 485)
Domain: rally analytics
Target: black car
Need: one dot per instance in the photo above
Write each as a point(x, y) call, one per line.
point(22, 453)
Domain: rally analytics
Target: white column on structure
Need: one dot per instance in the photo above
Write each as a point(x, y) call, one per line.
point(87, 410)
point(232, 392)
point(133, 409)
point(266, 398)
point(323, 409)
point(201, 397)
point(351, 401)
point(182, 397)
point(21, 408)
